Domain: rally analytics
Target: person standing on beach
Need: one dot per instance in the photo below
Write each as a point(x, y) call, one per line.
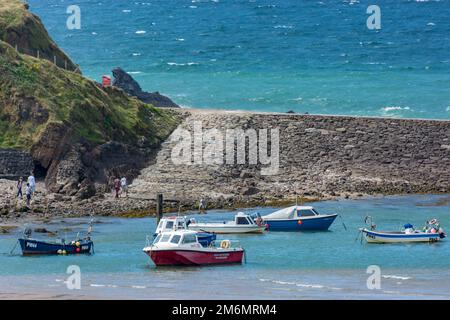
point(32, 183)
point(202, 205)
point(19, 188)
point(124, 185)
point(28, 193)
point(117, 187)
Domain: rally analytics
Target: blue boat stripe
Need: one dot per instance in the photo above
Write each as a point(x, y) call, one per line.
point(430, 235)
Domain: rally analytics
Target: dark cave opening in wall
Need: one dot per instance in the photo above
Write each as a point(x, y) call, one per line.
point(39, 171)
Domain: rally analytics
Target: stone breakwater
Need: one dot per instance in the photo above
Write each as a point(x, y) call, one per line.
point(320, 157)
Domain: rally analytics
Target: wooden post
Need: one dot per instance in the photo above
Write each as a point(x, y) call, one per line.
point(38, 55)
point(54, 60)
point(65, 64)
point(159, 207)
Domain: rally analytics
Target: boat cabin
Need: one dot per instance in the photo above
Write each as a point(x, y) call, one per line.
point(293, 212)
point(243, 219)
point(177, 238)
point(171, 223)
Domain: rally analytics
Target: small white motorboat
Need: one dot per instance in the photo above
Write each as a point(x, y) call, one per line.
point(242, 223)
point(431, 232)
point(173, 223)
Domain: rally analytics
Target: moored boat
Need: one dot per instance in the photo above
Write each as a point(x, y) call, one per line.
point(298, 218)
point(431, 232)
point(242, 223)
point(181, 247)
point(31, 246)
point(181, 223)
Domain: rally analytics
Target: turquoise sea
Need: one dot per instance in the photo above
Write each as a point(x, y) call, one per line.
point(269, 55)
point(280, 265)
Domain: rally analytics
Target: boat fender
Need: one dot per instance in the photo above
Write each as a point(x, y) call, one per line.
point(299, 222)
point(77, 243)
point(225, 244)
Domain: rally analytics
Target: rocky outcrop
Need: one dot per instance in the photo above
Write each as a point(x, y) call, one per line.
point(78, 134)
point(125, 82)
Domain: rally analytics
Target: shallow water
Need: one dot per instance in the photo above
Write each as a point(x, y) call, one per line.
point(280, 265)
point(269, 55)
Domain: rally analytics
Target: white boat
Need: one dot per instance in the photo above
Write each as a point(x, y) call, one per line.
point(242, 223)
point(432, 232)
point(174, 223)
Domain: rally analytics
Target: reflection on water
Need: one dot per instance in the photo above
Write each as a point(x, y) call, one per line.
point(280, 265)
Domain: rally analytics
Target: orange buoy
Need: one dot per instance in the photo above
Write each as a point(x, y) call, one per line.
point(299, 222)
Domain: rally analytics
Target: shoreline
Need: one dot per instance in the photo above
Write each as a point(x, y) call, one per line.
point(321, 157)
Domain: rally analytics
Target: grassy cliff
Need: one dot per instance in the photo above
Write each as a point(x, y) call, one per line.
point(19, 27)
point(35, 93)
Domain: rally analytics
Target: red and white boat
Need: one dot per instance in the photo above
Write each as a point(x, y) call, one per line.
point(181, 247)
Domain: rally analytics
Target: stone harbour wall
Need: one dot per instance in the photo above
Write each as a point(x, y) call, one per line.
point(320, 156)
point(14, 163)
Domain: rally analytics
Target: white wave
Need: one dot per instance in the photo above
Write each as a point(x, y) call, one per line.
point(282, 26)
point(448, 109)
point(182, 64)
point(394, 108)
point(136, 54)
point(141, 32)
point(193, 7)
point(94, 33)
point(314, 286)
point(126, 11)
point(138, 287)
point(387, 276)
point(179, 39)
point(283, 282)
point(134, 72)
point(97, 285)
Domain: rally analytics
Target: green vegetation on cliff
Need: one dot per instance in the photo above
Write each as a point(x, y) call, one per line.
point(36, 95)
point(24, 30)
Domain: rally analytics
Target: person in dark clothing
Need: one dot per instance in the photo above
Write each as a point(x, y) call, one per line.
point(117, 186)
point(19, 188)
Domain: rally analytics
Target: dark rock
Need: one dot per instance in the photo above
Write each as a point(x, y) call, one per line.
point(126, 82)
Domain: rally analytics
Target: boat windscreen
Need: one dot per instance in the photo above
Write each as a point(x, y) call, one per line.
point(157, 239)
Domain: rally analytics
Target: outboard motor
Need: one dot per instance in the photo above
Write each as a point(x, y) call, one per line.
point(27, 233)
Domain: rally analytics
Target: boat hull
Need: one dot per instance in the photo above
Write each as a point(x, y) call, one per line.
point(400, 237)
point(31, 247)
point(320, 223)
point(179, 257)
point(227, 229)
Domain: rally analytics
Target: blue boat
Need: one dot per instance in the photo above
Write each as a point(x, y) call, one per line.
point(181, 223)
point(298, 218)
point(32, 246)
